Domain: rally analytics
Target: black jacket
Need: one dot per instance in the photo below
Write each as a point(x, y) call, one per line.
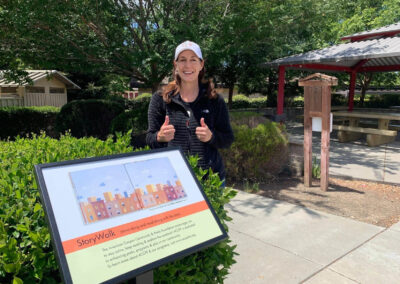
point(185, 118)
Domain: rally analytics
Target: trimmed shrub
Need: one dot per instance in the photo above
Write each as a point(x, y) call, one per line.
point(240, 101)
point(25, 120)
point(258, 102)
point(134, 121)
point(338, 100)
point(138, 109)
point(257, 154)
point(249, 118)
point(382, 101)
point(25, 246)
point(88, 117)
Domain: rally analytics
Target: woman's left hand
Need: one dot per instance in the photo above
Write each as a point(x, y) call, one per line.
point(203, 133)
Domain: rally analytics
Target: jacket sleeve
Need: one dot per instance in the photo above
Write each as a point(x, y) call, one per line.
point(222, 133)
point(156, 117)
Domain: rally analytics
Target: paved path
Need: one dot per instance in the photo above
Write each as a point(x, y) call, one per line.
point(356, 159)
point(283, 243)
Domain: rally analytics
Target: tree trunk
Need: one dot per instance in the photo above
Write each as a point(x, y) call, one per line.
point(230, 96)
point(155, 87)
point(364, 86)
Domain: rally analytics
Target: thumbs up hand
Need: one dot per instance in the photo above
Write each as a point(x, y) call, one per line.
point(203, 133)
point(167, 131)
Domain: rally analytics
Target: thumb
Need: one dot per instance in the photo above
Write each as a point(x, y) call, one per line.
point(166, 122)
point(202, 123)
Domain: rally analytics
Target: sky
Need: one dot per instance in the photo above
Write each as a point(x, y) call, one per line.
point(151, 171)
point(120, 178)
point(94, 182)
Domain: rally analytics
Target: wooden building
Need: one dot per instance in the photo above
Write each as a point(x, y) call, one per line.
point(47, 88)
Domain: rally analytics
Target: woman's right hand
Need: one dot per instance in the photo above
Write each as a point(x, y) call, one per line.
point(167, 131)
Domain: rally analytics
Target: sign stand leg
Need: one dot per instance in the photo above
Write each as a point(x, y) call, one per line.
point(145, 278)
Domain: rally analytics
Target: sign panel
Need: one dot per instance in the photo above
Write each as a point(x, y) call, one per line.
point(317, 123)
point(115, 217)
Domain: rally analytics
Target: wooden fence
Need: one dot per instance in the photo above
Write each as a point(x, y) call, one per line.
point(41, 99)
point(9, 102)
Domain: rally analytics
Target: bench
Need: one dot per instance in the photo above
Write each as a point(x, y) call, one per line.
point(375, 137)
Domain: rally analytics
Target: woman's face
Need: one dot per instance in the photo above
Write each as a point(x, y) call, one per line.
point(188, 66)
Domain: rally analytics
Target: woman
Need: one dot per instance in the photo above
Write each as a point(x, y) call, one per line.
point(189, 113)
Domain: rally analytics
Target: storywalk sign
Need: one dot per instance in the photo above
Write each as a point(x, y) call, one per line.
point(115, 217)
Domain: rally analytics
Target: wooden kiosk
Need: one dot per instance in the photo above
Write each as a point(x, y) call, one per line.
point(317, 103)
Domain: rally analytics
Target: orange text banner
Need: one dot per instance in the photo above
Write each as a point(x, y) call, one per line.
point(89, 240)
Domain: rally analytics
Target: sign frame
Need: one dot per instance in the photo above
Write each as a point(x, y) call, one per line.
point(46, 190)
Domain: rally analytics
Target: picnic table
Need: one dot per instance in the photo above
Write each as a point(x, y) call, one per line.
point(375, 136)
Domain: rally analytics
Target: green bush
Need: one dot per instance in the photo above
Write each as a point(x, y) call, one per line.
point(382, 101)
point(338, 100)
point(258, 102)
point(134, 121)
point(136, 116)
point(257, 154)
point(26, 254)
point(240, 101)
point(88, 117)
point(24, 120)
point(249, 118)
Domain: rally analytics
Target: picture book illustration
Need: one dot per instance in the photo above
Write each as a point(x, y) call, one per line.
point(111, 191)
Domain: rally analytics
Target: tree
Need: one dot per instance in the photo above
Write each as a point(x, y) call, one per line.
point(133, 38)
point(370, 14)
point(239, 43)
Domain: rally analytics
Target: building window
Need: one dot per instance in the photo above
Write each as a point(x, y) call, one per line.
point(56, 90)
point(35, 89)
point(8, 90)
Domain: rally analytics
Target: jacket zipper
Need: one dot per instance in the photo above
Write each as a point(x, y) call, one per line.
point(188, 129)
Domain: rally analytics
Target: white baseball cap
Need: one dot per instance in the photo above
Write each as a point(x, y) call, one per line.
point(188, 45)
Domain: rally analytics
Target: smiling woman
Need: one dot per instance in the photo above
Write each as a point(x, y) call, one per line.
point(189, 113)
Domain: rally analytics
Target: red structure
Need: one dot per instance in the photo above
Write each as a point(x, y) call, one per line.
point(370, 51)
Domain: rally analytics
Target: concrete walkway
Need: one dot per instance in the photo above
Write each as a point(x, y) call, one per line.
point(355, 159)
point(283, 243)
point(279, 242)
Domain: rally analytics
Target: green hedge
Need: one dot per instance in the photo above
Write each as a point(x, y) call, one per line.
point(382, 101)
point(88, 117)
point(24, 120)
point(258, 153)
point(241, 101)
point(134, 118)
point(26, 254)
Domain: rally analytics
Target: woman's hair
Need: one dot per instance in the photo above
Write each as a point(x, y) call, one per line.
point(174, 87)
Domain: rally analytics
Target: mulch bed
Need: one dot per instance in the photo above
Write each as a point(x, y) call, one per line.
point(365, 201)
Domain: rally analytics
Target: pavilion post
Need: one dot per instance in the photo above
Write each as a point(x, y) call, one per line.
point(352, 87)
point(281, 88)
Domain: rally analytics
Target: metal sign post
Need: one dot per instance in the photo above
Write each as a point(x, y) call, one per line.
point(145, 278)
